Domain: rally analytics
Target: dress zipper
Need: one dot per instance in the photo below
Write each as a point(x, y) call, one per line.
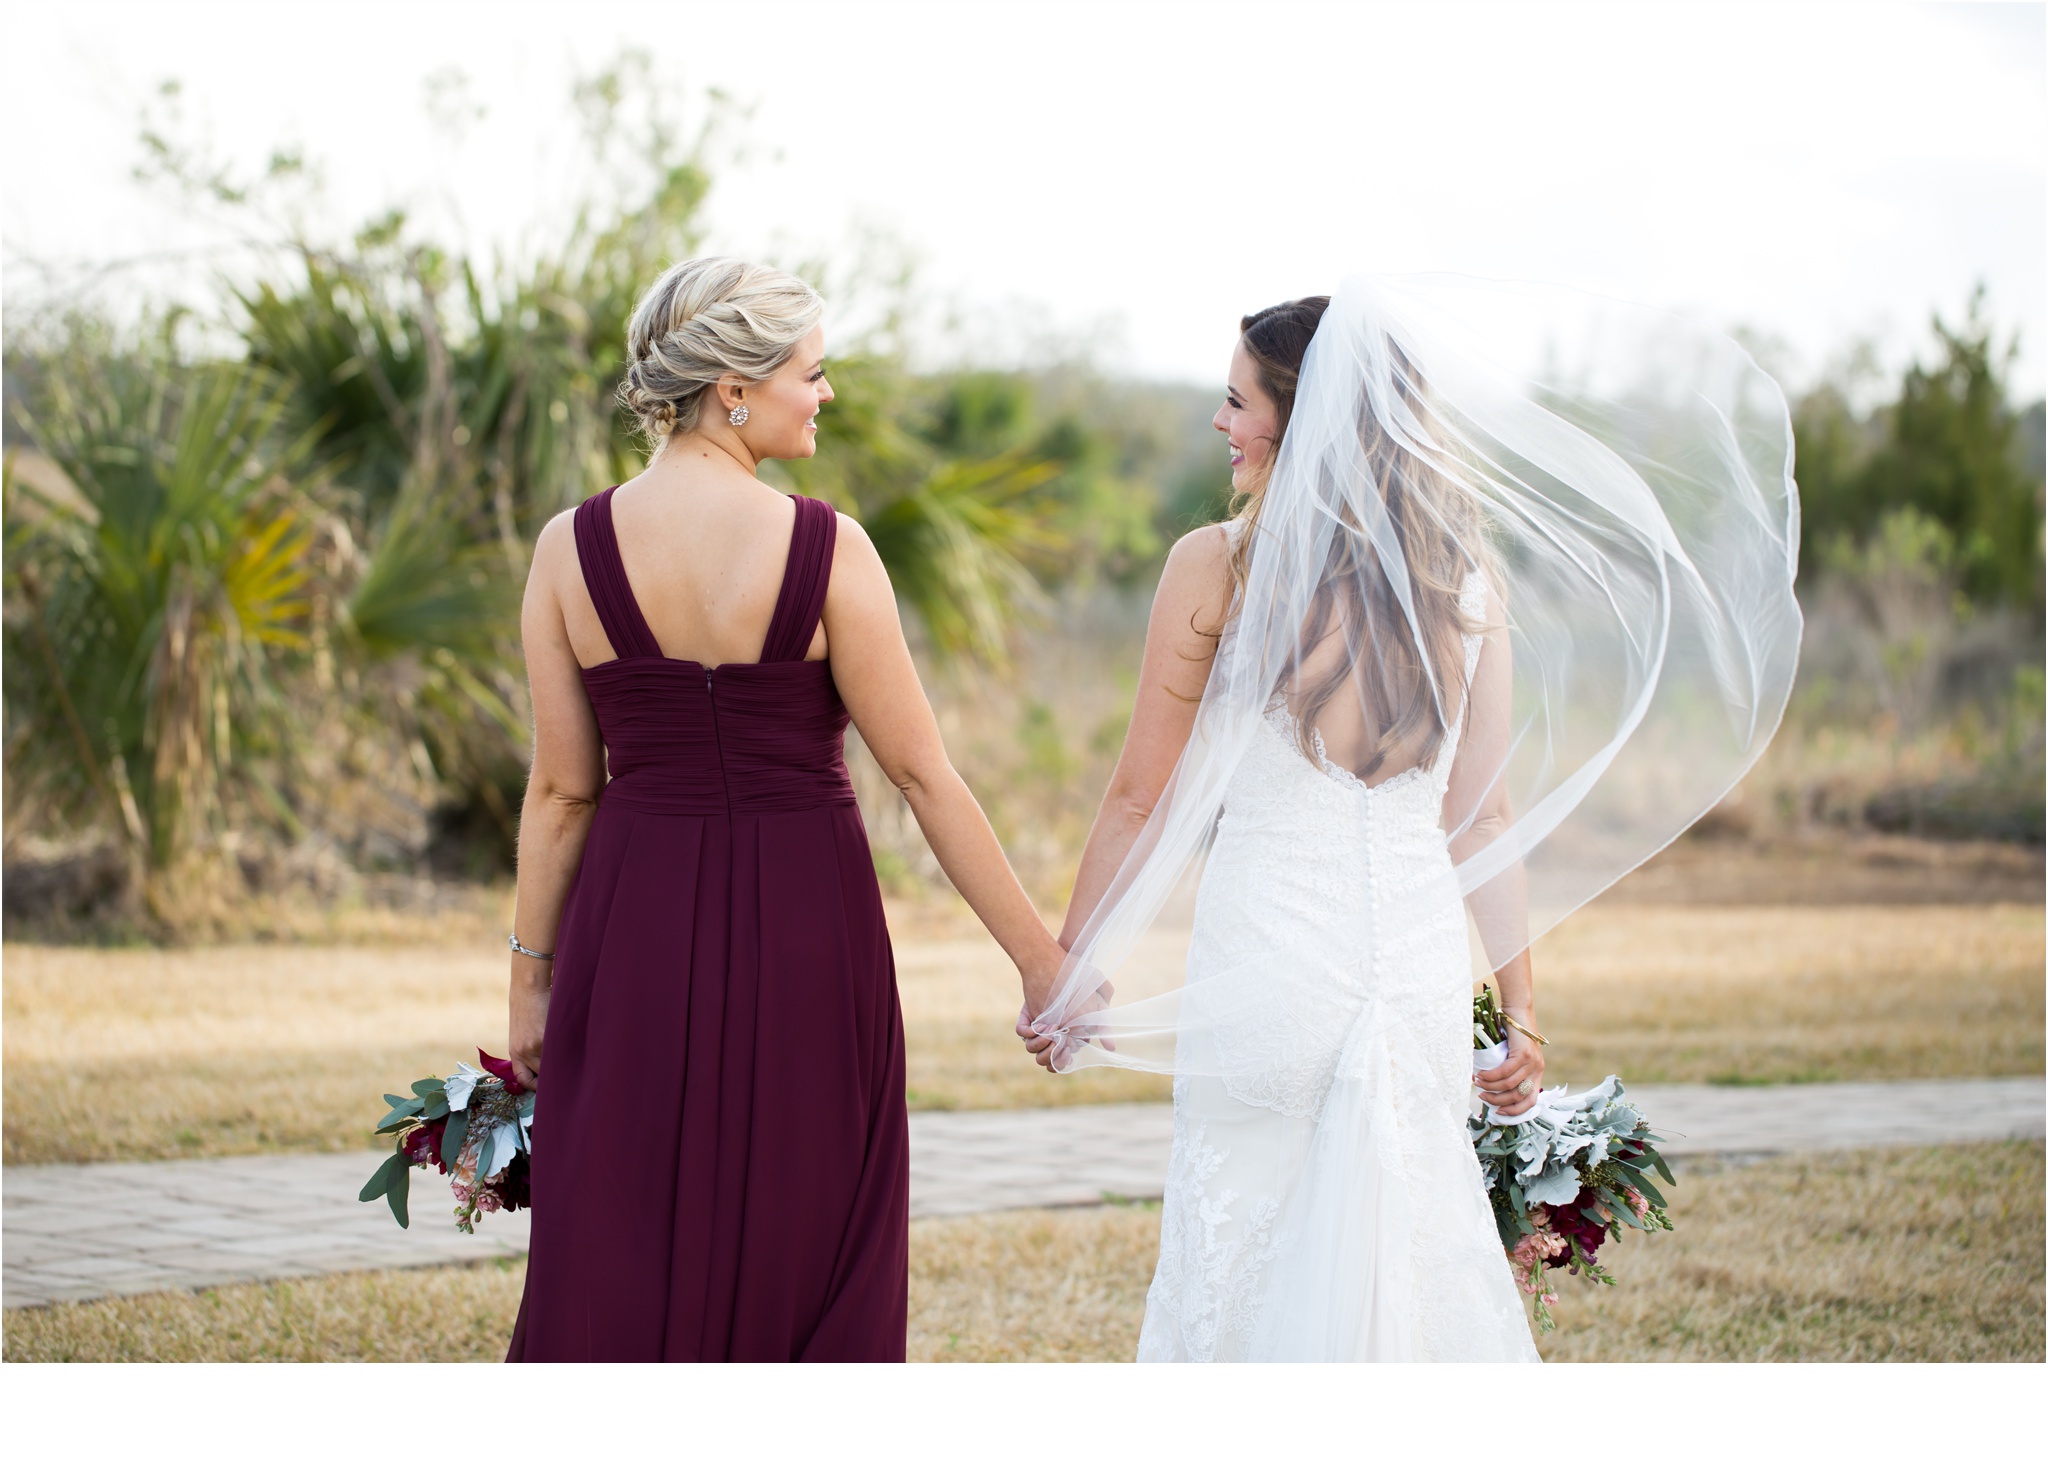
point(717, 741)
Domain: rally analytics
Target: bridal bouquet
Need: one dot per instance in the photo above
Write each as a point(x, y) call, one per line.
point(476, 1127)
point(1564, 1175)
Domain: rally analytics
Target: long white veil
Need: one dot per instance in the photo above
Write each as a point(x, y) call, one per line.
point(1602, 496)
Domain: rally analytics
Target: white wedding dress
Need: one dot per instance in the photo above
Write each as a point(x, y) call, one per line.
point(1323, 1201)
point(1619, 483)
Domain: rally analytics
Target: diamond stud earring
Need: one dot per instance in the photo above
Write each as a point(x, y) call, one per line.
point(737, 416)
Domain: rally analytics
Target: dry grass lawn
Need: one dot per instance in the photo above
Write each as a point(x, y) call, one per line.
point(154, 1054)
point(124, 1054)
point(460, 1314)
point(1896, 1255)
point(1922, 1255)
point(1793, 994)
point(142, 1053)
point(1063, 1286)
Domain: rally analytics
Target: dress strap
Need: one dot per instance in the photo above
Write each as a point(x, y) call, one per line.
point(804, 579)
point(604, 576)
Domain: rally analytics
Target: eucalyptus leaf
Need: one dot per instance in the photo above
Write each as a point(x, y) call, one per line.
point(452, 1138)
point(1623, 1212)
point(401, 1185)
point(380, 1183)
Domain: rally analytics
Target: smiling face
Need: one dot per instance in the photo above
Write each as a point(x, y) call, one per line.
point(1250, 421)
point(782, 412)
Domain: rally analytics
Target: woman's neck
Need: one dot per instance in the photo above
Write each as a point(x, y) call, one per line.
point(716, 449)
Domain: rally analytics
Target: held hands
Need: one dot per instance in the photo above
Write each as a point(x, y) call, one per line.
point(1049, 1049)
point(1038, 1047)
point(1513, 1088)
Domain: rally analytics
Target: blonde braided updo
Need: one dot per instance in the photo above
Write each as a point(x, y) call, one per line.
point(704, 319)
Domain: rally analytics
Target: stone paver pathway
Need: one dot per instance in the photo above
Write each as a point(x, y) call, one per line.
point(69, 1232)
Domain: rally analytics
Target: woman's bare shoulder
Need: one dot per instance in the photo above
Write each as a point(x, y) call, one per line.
point(853, 551)
point(860, 581)
point(1199, 563)
point(851, 534)
point(1211, 542)
point(554, 549)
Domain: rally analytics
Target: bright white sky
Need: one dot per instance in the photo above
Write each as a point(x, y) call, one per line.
point(1138, 175)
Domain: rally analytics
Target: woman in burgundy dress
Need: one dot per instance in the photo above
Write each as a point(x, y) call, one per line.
point(702, 986)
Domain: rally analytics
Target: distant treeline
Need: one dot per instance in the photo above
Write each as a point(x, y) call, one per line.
point(1948, 447)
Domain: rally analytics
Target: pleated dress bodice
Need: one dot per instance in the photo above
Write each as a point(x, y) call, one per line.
point(761, 737)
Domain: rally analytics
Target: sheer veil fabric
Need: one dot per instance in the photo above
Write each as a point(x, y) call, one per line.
point(1516, 608)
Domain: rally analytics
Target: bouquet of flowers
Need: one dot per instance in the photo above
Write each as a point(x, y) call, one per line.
point(1565, 1174)
point(476, 1127)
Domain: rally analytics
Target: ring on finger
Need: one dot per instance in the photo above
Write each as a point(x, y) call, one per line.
point(1525, 1086)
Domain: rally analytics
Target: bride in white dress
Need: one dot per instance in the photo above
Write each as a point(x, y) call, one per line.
point(1448, 594)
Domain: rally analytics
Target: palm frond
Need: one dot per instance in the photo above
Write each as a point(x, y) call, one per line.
point(426, 588)
point(953, 546)
point(164, 591)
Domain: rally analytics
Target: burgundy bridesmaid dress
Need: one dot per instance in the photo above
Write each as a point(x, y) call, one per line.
point(721, 1153)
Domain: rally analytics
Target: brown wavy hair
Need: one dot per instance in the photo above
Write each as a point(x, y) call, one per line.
point(1276, 339)
point(1441, 533)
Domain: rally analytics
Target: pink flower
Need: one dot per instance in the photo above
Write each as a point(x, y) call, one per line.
point(1534, 1251)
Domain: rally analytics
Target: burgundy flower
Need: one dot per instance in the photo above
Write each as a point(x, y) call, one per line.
point(502, 1069)
point(1568, 1222)
point(510, 1189)
point(423, 1145)
point(515, 1185)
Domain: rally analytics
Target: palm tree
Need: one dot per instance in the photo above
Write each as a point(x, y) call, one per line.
point(150, 604)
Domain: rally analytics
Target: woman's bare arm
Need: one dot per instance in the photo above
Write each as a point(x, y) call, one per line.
point(1180, 643)
point(1477, 811)
point(561, 792)
point(878, 682)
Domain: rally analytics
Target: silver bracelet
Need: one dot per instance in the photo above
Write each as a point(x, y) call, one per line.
point(529, 951)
